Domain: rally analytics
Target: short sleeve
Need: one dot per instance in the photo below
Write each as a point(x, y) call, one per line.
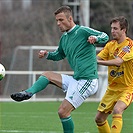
point(127, 52)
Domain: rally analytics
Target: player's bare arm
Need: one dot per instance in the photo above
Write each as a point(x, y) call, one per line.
point(114, 62)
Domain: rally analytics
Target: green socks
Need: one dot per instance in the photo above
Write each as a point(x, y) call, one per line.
point(68, 126)
point(39, 85)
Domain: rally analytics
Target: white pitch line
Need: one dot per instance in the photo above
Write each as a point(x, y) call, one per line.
point(20, 131)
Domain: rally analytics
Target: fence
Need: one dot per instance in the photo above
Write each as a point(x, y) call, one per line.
point(52, 96)
point(17, 79)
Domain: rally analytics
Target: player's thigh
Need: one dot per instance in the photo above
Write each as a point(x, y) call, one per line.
point(119, 107)
point(54, 78)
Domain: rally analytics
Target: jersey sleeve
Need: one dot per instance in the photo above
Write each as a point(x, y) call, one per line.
point(101, 37)
point(58, 54)
point(127, 52)
point(104, 53)
point(55, 55)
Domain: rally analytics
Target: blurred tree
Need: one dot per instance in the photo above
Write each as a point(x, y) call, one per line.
point(36, 25)
point(102, 11)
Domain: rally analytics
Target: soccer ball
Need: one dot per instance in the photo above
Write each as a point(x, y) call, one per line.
point(2, 71)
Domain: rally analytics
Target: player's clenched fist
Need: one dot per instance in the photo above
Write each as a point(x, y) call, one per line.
point(42, 53)
point(92, 39)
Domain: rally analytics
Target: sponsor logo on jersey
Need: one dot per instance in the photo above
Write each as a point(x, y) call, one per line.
point(114, 73)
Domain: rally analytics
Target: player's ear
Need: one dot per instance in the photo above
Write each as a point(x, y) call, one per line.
point(124, 30)
point(70, 18)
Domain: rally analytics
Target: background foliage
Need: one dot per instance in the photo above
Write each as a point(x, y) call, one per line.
point(36, 25)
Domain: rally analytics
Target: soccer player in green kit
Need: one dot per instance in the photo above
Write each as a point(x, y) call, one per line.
point(81, 55)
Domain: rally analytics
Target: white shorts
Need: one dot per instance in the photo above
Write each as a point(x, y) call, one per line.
point(77, 91)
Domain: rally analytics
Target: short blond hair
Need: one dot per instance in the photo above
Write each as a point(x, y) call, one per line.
point(65, 9)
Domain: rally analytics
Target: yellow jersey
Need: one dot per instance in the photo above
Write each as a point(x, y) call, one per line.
point(121, 77)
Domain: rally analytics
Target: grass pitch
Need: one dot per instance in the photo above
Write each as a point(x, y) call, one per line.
point(42, 117)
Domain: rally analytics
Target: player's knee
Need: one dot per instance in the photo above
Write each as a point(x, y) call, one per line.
point(47, 74)
point(62, 113)
point(99, 119)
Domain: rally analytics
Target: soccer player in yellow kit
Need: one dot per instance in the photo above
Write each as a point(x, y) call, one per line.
point(118, 56)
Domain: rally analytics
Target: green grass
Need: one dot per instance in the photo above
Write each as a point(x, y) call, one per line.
point(42, 117)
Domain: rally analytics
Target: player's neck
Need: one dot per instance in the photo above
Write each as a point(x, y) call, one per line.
point(122, 39)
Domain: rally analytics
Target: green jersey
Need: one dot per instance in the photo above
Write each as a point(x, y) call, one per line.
point(80, 54)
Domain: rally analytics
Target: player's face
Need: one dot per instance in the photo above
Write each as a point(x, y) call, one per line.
point(63, 22)
point(116, 31)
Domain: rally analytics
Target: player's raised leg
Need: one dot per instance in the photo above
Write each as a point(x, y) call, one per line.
point(42, 82)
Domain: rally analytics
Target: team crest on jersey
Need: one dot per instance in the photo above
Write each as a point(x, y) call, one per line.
point(126, 49)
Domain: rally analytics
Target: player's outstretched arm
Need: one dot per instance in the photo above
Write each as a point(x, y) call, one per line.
point(114, 62)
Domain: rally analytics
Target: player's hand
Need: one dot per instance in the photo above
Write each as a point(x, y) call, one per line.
point(42, 53)
point(92, 39)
